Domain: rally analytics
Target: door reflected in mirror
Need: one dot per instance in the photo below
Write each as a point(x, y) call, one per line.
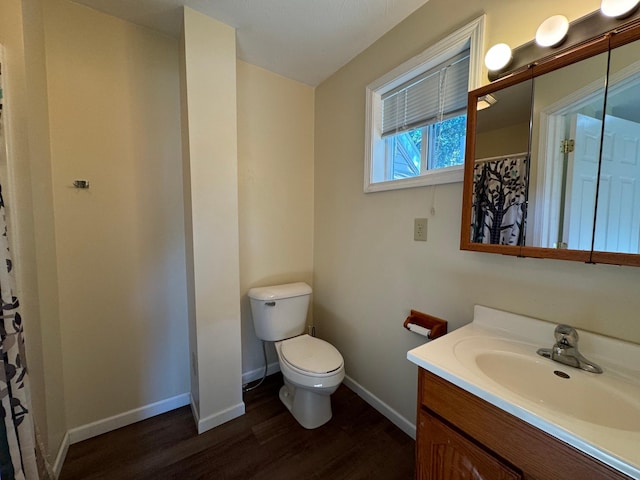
point(618, 210)
point(568, 106)
point(503, 121)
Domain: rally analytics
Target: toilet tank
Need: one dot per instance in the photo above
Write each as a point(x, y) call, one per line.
point(280, 311)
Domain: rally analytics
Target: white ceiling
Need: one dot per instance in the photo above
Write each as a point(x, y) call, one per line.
point(306, 40)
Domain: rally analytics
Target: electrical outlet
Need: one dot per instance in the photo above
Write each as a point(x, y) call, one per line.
point(420, 229)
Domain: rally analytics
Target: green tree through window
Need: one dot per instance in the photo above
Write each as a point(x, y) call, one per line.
point(445, 145)
point(449, 142)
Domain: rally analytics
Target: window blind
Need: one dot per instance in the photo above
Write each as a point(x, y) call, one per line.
point(427, 98)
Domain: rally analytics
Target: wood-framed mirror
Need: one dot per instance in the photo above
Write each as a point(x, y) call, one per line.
point(552, 165)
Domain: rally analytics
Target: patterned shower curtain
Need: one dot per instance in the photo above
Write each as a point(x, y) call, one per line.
point(17, 448)
point(499, 201)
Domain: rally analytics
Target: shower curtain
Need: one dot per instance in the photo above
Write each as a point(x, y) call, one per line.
point(499, 200)
point(17, 446)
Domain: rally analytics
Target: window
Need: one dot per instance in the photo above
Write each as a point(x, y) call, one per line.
point(416, 115)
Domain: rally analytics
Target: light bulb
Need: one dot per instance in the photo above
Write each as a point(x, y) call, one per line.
point(552, 31)
point(498, 57)
point(618, 8)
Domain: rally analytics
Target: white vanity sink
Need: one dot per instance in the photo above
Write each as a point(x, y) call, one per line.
point(605, 399)
point(495, 358)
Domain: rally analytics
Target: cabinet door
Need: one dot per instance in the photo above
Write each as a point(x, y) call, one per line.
point(444, 454)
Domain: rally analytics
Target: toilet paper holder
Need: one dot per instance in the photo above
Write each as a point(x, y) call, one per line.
point(425, 324)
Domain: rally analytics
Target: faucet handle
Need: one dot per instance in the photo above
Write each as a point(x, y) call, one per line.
point(566, 335)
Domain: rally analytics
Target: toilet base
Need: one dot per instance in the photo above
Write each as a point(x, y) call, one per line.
point(309, 408)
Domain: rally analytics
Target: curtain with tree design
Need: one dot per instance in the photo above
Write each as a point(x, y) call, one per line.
point(17, 444)
point(499, 201)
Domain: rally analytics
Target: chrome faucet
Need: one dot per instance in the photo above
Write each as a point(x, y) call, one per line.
point(566, 351)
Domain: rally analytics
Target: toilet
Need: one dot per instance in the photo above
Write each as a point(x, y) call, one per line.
point(312, 368)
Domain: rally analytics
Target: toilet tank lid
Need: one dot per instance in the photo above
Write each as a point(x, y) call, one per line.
point(276, 292)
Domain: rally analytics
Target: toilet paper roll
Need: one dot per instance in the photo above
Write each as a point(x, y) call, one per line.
point(425, 332)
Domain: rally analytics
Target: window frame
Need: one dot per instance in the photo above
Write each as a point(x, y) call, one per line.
point(471, 35)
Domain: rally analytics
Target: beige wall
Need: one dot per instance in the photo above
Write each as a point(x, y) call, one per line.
point(507, 140)
point(115, 120)
point(368, 272)
point(275, 188)
point(27, 195)
point(211, 189)
point(104, 106)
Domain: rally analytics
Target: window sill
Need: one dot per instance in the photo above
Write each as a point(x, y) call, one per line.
point(438, 177)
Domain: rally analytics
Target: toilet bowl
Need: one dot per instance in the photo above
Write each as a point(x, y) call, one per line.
point(312, 369)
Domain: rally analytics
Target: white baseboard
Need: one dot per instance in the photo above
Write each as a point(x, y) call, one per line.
point(398, 420)
point(105, 425)
point(219, 418)
point(62, 455)
point(257, 374)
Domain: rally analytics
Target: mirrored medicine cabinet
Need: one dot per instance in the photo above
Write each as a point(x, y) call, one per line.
point(552, 165)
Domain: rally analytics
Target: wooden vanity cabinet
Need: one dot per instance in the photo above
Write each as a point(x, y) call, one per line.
point(462, 437)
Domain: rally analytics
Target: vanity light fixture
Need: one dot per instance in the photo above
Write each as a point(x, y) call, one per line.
point(618, 8)
point(552, 31)
point(498, 57)
point(486, 101)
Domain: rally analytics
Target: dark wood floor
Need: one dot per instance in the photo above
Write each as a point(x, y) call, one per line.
point(265, 443)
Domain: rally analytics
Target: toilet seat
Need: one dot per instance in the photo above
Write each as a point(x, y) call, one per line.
point(311, 356)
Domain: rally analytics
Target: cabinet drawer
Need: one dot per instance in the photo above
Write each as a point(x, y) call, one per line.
point(536, 453)
point(444, 454)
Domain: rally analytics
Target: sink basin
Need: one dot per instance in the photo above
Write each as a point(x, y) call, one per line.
point(575, 393)
point(605, 399)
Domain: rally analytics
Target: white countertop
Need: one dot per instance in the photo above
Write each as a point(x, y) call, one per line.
point(452, 357)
